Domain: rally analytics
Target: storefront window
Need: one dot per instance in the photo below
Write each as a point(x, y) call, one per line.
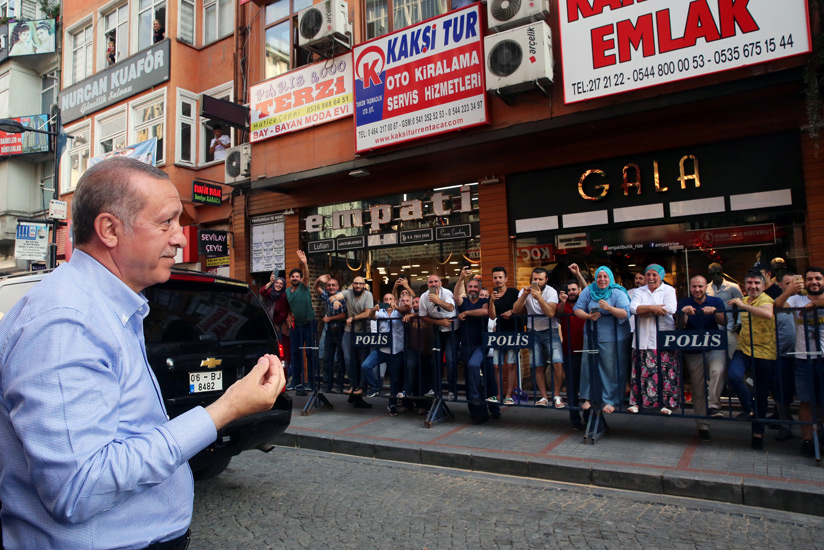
point(406, 235)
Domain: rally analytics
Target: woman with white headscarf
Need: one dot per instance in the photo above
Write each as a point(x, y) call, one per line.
point(656, 376)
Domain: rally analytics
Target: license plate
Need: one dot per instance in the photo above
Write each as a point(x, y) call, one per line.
point(205, 381)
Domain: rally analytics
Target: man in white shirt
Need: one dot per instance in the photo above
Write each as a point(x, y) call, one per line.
point(540, 301)
point(809, 344)
point(219, 144)
point(438, 308)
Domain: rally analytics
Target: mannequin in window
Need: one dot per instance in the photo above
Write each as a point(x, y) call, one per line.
point(159, 31)
point(219, 144)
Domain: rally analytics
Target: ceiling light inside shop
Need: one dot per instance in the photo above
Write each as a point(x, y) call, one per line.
point(406, 267)
point(453, 263)
point(416, 265)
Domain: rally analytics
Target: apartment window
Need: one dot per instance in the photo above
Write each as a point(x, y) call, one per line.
point(186, 21)
point(383, 16)
point(151, 22)
point(218, 19)
point(110, 132)
point(186, 139)
point(7, 9)
point(148, 121)
point(48, 91)
point(78, 155)
point(281, 20)
point(207, 126)
point(81, 60)
point(116, 33)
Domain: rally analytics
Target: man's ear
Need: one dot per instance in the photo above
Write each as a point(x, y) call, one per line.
point(107, 228)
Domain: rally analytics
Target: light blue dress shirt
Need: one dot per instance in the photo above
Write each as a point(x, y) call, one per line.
point(88, 456)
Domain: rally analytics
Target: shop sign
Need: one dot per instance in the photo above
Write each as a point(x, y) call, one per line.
point(573, 240)
point(220, 261)
point(267, 243)
point(452, 232)
point(509, 340)
point(417, 236)
point(302, 98)
point(661, 187)
point(26, 142)
point(58, 210)
point(384, 239)
point(32, 241)
point(213, 243)
point(693, 340)
point(611, 46)
point(40, 37)
point(731, 236)
point(421, 81)
point(543, 252)
point(326, 245)
point(135, 74)
point(351, 243)
point(442, 204)
point(206, 193)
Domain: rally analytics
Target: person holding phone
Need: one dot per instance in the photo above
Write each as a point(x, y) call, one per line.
point(540, 301)
point(438, 308)
point(501, 302)
point(809, 343)
point(390, 322)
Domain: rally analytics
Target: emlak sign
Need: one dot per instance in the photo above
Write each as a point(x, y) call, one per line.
point(615, 46)
point(421, 81)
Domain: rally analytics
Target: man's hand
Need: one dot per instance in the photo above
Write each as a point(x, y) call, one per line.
point(256, 392)
point(443, 322)
point(506, 315)
point(348, 320)
point(689, 310)
point(707, 310)
point(736, 302)
point(323, 278)
point(536, 293)
point(574, 269)
point(436, 300)
point(659, 310)
point(562, 297)
point(301, 256)
point(462, 316)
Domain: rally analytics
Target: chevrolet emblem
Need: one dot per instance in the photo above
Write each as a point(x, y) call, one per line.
point(211, 362)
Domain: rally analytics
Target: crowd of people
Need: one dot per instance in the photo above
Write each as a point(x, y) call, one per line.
point(598, 341)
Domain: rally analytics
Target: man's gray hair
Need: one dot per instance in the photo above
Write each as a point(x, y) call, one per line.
point(107, 187)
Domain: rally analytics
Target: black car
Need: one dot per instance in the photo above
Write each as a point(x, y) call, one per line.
point(202, 334)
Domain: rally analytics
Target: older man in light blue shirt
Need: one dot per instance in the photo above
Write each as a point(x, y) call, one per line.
point(88, 456)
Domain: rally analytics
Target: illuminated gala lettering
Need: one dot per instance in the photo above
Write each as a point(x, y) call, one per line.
point(636, 184)
point(631, 182)
point(603, 187)
point(686, 177)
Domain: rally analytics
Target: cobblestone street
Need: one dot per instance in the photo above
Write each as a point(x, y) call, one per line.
point(292, 498)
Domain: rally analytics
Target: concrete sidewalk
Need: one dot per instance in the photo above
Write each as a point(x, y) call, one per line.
point(652, 454)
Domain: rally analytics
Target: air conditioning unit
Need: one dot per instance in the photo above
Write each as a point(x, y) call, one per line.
point(506, 14)
point(238, 165)
point(324, 22)
point(519, 59)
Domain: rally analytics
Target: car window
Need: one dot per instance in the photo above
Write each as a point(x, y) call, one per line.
point(11, 292)
point(189, 311)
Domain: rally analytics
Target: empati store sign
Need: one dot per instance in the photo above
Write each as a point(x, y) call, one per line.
point(306, 97)
point(421, 81)
point(614, 46)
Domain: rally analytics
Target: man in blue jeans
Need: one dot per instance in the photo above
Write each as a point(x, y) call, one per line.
point(334, 319)
point(390, 323)
point(473, 312)
point(302, 338)
point(756, 350)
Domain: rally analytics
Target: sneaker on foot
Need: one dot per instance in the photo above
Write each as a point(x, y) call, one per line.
point(373, 393)
point(452, 396)
point(430, 393)
point(393, 410)
point(716, 413)
point(807, 448)
point(704, 435)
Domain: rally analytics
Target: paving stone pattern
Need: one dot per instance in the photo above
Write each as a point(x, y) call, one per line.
point(295, 499)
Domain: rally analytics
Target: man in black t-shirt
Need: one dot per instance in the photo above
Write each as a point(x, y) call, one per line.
point(500, 310)
point(473, 312)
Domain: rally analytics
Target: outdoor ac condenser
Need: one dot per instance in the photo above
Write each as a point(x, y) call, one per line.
point(506, 14)
point(323, 22)
point(520, 58)
point(238, 165)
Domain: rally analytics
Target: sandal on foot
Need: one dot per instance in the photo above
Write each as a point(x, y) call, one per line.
point(349, 390)
point(509, 401)
point(358, 391)
point(608, 409)
point(586, 406)
point(633, 409)
point(559, 403)
point(542, 402)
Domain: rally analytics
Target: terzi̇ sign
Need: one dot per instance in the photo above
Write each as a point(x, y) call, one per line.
point(614, 46)
point(421, 81)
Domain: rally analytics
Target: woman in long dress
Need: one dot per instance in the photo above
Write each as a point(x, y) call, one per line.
point(606, 305)
point(656, 374)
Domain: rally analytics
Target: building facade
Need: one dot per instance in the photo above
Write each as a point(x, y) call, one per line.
point(674, 133)
point(133, 75)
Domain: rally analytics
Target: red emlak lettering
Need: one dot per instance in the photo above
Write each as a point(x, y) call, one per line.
point(635, 36)
point(584, 9)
